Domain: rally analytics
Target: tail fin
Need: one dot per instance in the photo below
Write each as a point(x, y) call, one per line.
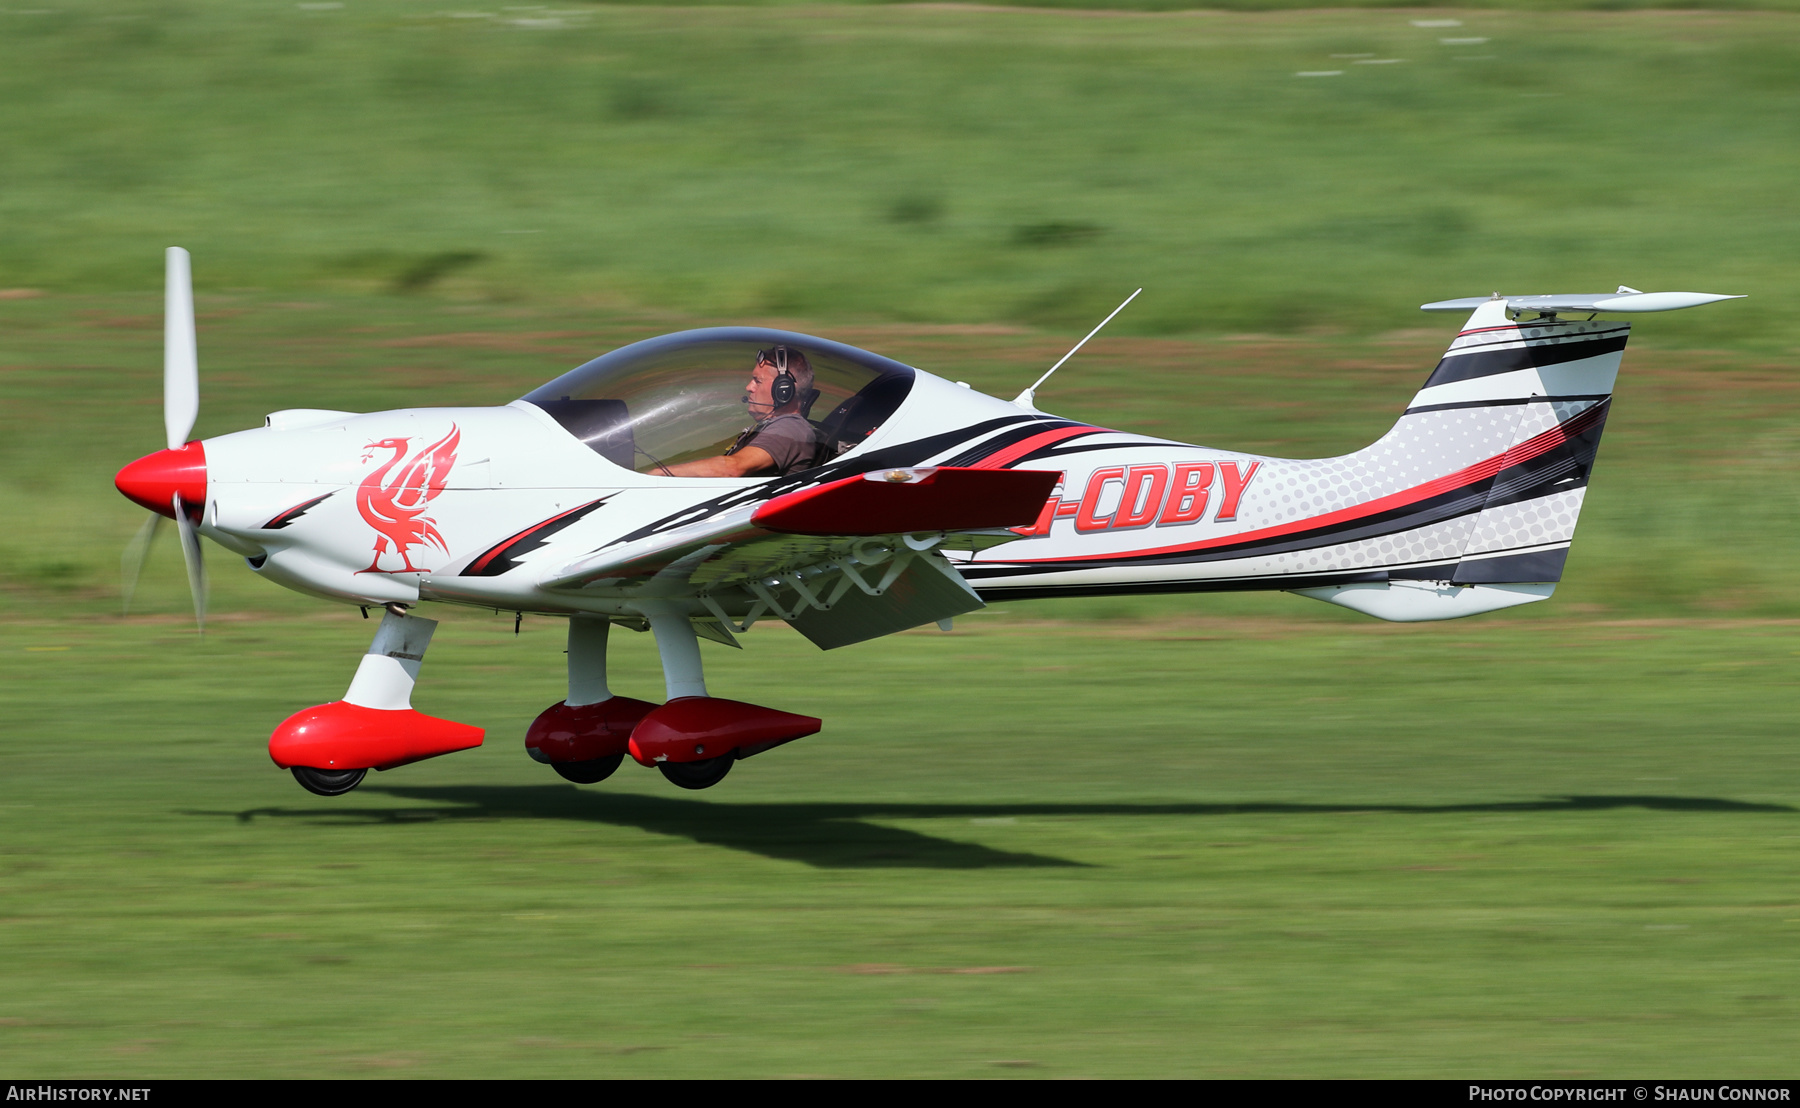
point(1551, 383)
point(1501, 438)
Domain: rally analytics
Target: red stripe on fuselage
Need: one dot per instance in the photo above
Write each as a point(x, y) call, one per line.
point(1001, 458)
point(1480, 471)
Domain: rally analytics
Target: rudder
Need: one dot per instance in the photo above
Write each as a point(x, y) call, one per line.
point(1557, 379)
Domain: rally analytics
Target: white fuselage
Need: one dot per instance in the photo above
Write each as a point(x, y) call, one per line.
point(417, 504)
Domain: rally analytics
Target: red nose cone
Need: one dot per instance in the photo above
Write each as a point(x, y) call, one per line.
point(154, 479)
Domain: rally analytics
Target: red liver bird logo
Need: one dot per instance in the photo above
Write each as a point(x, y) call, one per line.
point(396, 507)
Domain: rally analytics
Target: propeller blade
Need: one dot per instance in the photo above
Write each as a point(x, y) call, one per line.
point(131, 565)
point(196, 562)
point(181, 366)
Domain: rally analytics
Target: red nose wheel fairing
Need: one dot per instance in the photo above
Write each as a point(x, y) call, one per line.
point(374, 726)
point(628, 491)
point(340, 736)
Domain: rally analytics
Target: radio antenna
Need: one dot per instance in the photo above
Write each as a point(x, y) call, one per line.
point(1027, 398)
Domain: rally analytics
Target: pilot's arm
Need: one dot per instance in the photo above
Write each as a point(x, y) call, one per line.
point(778, 447)
point(751, 461)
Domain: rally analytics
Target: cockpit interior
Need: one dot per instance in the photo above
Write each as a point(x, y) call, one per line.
point(681, 397)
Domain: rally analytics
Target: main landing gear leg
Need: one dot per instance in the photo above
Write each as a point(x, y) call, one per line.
point(695, 738)
point(684, 676)
point(683, 673)
point(583, 738)
point(330, 747)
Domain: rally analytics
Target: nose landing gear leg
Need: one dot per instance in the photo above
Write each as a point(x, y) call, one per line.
point(330, 747)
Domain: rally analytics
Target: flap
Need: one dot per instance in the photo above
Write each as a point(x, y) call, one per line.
point(927, 591)
point(912, 500)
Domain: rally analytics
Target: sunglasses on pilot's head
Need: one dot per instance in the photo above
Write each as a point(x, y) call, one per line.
point(776, 356)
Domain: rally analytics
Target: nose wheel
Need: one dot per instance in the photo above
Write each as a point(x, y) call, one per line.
point(328, 782)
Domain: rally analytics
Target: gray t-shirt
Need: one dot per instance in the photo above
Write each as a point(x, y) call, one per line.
point(789, 439)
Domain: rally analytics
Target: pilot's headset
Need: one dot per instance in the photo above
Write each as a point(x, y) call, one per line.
point(785, 388)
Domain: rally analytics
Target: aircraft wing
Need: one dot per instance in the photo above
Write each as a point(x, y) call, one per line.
point(842, 562)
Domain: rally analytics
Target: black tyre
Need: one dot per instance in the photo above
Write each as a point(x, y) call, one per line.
point(698, 775)
point(328, 782)
point(588, 773)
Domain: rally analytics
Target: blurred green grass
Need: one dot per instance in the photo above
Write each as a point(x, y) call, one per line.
point(1204, 847)
point(912, 163)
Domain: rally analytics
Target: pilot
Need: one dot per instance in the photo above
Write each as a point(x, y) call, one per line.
point(782, 440)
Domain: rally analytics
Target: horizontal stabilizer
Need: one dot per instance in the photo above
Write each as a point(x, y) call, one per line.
point(908, 500)
point(1625, 300)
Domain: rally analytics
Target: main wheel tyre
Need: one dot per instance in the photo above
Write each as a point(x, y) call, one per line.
point(328, 782)
point(588, 773)
point(698, 775)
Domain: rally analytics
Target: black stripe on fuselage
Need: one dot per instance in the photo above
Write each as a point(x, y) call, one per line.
point(1508, 402)
point(989, 447)
point(1509, 569)
point(1057, 450)
point(298, 510)
point(1460, 366)
point(898, 455)
point(1562, 468)
point(502, 559)
point(1459, 502)
point(1226, 584)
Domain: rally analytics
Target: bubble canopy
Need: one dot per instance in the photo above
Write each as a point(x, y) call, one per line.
point(680, 397)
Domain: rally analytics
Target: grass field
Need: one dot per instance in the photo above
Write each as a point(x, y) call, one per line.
point(1200, 846)
point(913, 163)
point(1211, 836)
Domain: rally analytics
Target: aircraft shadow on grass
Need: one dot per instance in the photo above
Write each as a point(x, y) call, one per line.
point(840, 836)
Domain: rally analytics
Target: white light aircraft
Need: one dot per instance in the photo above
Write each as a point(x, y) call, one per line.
point(856, 498)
